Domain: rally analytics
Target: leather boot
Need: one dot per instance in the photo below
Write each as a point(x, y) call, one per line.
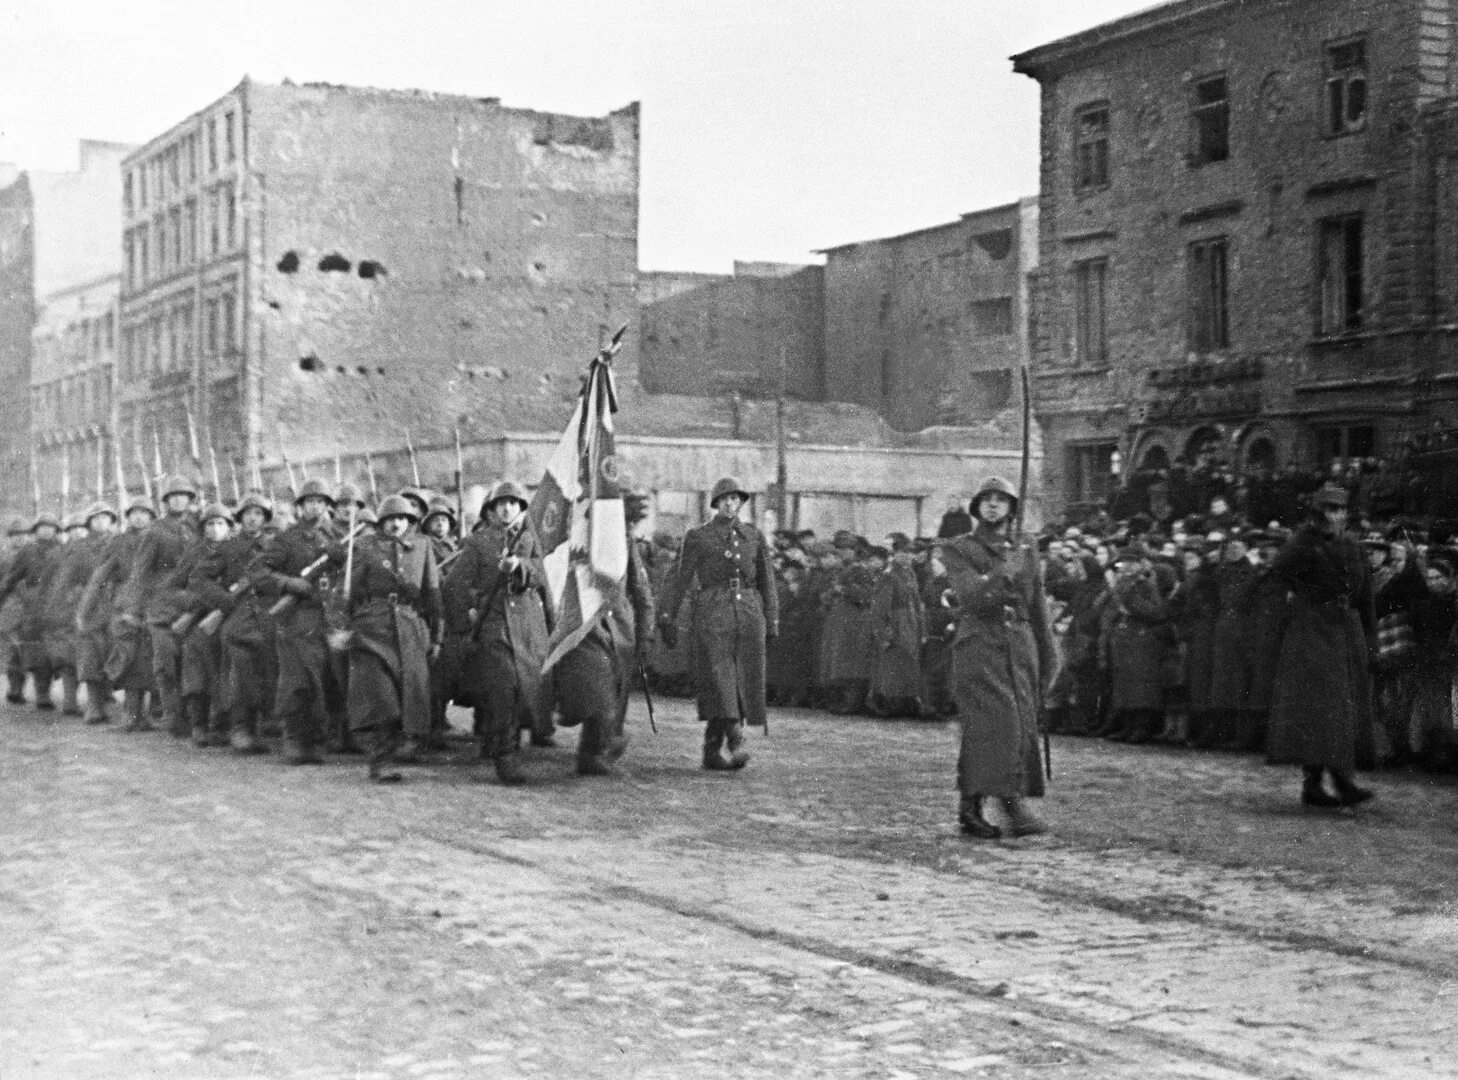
point(70, 706)
point(136, 707)
point(298, 752)
point(43, 690)
point(1348, 793)
point(196, 706)
point(174, 713)
point(98, 694)
point(16, 692)
point(713, 740)
point(509, 770)
point(734, 740)
point(1020, 820)
point(973, 823)
point(243, 736)
point(382, 753)
point(1313, 794)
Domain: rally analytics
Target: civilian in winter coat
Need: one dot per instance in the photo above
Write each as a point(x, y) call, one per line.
point(1136, 637)
point(898, 628)
point(1003, 661)
point(1322, 705)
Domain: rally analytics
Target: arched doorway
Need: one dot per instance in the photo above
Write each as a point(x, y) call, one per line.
point(1208, 442)
point(1260, 455)
point(1154, 458)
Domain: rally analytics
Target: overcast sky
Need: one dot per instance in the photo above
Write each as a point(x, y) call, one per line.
point(770, 128)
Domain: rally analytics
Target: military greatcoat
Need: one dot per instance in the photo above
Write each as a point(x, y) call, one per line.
point(725, 567)
point(1003, 657)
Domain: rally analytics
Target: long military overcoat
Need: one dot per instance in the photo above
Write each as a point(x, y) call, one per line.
point(1322, 709)
point(724, 567)
point(1003, 657)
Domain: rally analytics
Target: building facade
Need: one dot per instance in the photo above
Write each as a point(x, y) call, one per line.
point(1244, 253)
point(60, 259)
point(314, 270)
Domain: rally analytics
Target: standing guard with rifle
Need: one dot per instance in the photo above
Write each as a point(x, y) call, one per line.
point(392, 598)
point(500, 577)
point(1003, 660)
point(291, 572)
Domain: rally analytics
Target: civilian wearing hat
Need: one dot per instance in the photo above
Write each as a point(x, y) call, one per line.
point(155, 598)
point(1003, 661)
point(1136, 640)
point(847, 646)
point(725, 567)
point(306, 679)
point(29, 574)
point(500, 576)
point(1322, 709)
point(1420, 720)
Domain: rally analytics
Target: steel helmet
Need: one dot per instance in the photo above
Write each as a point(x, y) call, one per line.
point(729, 485)
point(398, 506)
point(254, 500)
point(96, 509)
point(178, 485)
point(505, 489)
point(993, 485)
point(215, 510)
point(315, 488)
point(349, 493)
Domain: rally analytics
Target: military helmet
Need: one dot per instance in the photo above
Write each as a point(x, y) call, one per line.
point(349, 493)
point(177, 485)
point(73, 521)
point(215, 510)
point(398, 506)
point(366, 516)
point(729, 485)
point(505, 489)
point(421, 495)
point(315, 488)
point(254, 500)
point(46, 518)
point(96, 509)
point(993, 485)
point(140, 502)
point(441, 505)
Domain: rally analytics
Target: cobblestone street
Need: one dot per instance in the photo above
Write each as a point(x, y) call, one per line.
point(171, 912)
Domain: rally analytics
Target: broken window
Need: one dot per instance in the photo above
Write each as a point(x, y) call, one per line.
point(1339, 258)
point(189, 243)
point(230, 216)
point(190, 153)
point(146, 269)
point(212, 146)
point(230, 150)
point(1206, 287)
point(129, 247)
point(1090, 332)
point(993, 318)
point(210, 340)
point(127, 193)
point(174, 178)
point(142, 187)
point(174, 226)
point(1091, 148)
point(213, 222)
point(228, 316)
point(1210, 122)
point(1346, 87)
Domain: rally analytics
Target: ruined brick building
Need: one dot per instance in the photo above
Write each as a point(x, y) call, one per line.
point(317, 271)
point(1246, 247)
point(60, 260)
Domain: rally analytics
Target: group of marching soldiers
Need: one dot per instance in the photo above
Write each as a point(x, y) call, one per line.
point(328, 624)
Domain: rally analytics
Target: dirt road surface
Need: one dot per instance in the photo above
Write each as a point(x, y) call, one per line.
point(168, 912)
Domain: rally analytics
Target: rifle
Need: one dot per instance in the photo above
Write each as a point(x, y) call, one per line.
point(286, 602)
point(647, 693)
point(213, 461)
point(414, 465)
point(460, 490)
point(233, 470)
point(374, 487)
point(1027, 388)
point(293, 481)
point(213, 619)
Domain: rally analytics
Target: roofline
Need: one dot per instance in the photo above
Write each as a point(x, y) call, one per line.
point(962, 219)
point(1148, 20)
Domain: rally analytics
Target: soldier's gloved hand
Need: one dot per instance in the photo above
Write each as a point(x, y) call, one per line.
point(669, 632)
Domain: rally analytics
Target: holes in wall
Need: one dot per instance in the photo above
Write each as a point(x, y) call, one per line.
point(289, 264)
point(334, 262)
point(369, 268)
point(310, 363)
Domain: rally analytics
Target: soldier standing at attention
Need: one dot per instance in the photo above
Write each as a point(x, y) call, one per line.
point(1003, 660)
point(725, 566)
point(156, 600)
point(303, 647)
